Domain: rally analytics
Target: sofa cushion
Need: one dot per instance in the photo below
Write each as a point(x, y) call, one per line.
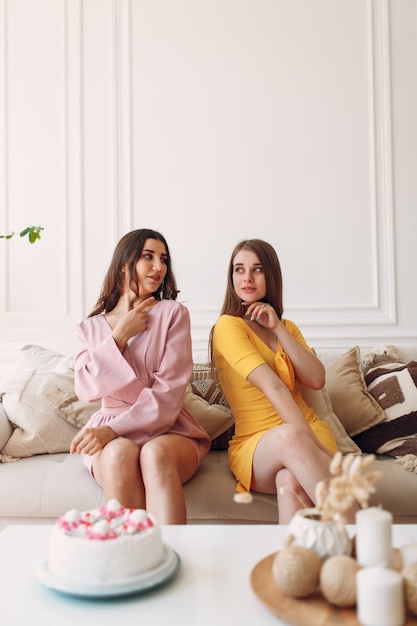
point(355, 407)
point(214, 418)
point(34, 357)
point(204, 386)
point(396, 437)
point(319, 401)
point(42, 407)
point(210, 496)
point(394, 387)
point(47, 485)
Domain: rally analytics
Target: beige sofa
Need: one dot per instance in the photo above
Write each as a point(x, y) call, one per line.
point(40, 487)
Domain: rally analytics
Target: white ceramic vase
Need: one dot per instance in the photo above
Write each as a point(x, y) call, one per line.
point(326, 538)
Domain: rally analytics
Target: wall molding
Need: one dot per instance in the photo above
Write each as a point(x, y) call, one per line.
point(72, 193)
point(384, 174)
point(366, 325)
point(4, 200)
point(334, 325)
point(317, 335)
point(122, 64)
point(74, 183)
point(382, 309)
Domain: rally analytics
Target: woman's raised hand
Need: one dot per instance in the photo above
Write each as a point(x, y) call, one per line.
point(133, 322)
point(262, 313)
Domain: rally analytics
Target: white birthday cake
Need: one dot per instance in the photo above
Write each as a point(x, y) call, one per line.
point(108, 544)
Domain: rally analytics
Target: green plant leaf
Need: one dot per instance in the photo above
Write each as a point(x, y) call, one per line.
point(33, 233)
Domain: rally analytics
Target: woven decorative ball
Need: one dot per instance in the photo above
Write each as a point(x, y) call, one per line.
point(296, 570)
point(338, 580)
point(409, 574)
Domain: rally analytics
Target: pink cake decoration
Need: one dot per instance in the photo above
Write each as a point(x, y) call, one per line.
point(109, 521)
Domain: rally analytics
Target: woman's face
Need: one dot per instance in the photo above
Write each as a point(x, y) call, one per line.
point(151, 267)
point(248, 276)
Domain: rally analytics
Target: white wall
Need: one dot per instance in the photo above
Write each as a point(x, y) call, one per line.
point(212, 121)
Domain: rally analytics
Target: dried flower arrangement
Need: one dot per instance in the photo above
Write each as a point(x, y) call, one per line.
point(350, 484)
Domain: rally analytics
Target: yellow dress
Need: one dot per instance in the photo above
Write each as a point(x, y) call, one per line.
point(238, 351)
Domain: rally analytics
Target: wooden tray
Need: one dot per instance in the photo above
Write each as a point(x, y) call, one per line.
point(311, 611)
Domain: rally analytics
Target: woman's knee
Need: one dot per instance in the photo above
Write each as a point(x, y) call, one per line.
point(155, 455)
point(168, 456)
point(286, 481)
point(120, 453)
point(291, 437)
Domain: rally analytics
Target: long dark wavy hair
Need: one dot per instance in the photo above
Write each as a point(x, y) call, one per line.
point(126, 254)
point(232, 304)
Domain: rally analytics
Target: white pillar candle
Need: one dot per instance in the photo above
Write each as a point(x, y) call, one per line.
point(380, 597)
point(373, 537)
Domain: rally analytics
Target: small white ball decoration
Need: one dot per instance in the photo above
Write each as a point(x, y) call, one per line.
point(102, 527)
point(138, 515)
point(113, 505)
point(73, 515)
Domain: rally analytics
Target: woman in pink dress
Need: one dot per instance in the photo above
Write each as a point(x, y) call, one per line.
point(135, 356)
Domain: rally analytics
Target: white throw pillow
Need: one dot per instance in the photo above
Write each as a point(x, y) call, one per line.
point(41, 405)
point(33, 357)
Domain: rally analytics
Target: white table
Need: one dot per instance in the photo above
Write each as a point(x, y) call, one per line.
point(212, 586)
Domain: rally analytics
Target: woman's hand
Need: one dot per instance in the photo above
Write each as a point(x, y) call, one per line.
point(308, 368)
point(133, 322)
point(262, 313)
point(91, 440)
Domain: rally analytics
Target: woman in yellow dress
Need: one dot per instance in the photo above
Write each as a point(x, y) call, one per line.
point(280, 445)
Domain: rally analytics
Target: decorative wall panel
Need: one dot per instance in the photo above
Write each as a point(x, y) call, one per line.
point(210, 121)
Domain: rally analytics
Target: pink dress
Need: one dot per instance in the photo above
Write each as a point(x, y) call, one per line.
point(142, 389)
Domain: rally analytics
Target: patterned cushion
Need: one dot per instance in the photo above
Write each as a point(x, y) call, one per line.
point(216, 419)
point(204, 386)
point(394, 387)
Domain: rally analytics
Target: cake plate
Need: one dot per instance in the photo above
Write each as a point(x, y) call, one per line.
point(128, 586)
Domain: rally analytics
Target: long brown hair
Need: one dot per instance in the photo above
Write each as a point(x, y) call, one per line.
point(232, 304)
point(127, 253)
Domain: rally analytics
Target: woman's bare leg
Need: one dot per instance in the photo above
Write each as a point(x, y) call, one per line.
point(290, 496)
point(167, 462)
point(116, 469)
point(291, 448)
